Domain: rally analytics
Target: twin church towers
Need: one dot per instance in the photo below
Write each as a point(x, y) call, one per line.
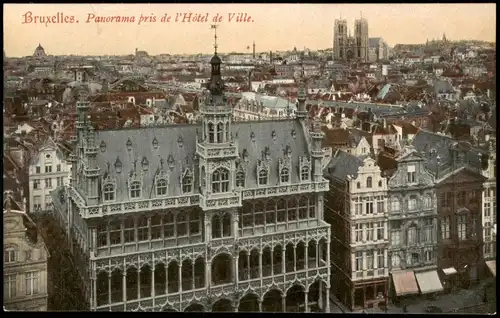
point(347, 47)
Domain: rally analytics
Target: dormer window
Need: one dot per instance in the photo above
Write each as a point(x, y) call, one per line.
point(304, 173)
point(129, 144)
point(135, 189)
point(155, 143)
point(103, 146)
point(187, 182)
point(285, 175)
point(240, 179)
point(118, 165)
point(369, 182)
point(220, 181)
point(145, 164)
point(161, 187)
point(109, 192)
point(263, 177)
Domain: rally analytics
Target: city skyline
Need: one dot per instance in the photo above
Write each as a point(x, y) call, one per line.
point(303, 25)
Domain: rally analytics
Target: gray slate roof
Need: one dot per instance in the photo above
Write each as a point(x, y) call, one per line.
point(341, 165)
point(425, 141)
point(182, 154)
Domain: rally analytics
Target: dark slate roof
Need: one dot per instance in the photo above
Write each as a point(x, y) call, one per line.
point(425, 141)
point(182, 154)
point(343, 164)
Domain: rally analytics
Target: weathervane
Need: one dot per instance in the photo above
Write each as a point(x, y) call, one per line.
point(214, 26)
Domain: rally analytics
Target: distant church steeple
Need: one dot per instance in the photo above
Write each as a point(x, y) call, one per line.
point(444, 37)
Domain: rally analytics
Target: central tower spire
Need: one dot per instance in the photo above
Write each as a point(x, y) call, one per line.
point(216, 85)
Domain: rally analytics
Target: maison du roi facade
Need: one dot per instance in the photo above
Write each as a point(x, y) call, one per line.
point(217, 216)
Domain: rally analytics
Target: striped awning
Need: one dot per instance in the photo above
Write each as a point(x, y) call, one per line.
point(429, 282)
point(405, 282)
point(492, 266)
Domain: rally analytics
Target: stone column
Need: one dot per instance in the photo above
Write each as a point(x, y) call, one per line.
point(166, 278)
point(295, 257)
point(194, 275)
point(153, 289)
point(283, 260)
point(139, 283)
point(208, 273)
point(283, 303)
point(328, 255)
point(306, 256)
point(236, 268)
point(124, 283)
point(94, 286)
point(327, 308)
point(260, 304)
point(306, 301)
point(208, 228)
point(236, 304)
point(180, 277)
point(109, 287)
point(236, 220)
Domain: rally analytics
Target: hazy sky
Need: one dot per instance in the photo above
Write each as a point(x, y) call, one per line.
point(274, 26)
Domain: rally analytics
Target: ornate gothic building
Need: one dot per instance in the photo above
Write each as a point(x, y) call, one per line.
point(217, 216)
point(347, 47)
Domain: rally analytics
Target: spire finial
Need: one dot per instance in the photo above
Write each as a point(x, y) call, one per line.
point(214, 26)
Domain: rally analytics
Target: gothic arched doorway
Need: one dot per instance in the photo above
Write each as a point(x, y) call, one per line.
point(349, 55)
point(295, 299)
point(249, 303)
point(272, 301)
point(221, 269)
point(222, 305)
point(194, 308)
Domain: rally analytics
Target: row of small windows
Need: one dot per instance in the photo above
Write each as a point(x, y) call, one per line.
point(284, 175)
point(412, 203)
point(369, 183)
point(220, 182)
point(216, 133)
point(184, 223)
point(109, 190)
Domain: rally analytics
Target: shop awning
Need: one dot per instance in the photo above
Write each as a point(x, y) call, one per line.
point(404, 282)
point(429, 282)
point(449, 271)
point(492, 266)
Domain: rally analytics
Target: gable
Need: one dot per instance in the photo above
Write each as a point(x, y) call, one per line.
point(461, 176)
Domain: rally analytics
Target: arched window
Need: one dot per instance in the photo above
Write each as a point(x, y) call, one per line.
point(161, 187)
point(380, 184)
point(187, 182)
point(211, 133)
point(304, 173)
point(220, 181)
point(240, 179)
point(220, 133)
point(135, 189)
point(262, 177)
point(285, 175)
point(369, 182)
point(395, 206)
point(109, 192)
point(358, 185)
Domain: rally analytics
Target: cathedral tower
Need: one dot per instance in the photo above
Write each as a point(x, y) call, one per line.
point(361, 39)
point(339, 39)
